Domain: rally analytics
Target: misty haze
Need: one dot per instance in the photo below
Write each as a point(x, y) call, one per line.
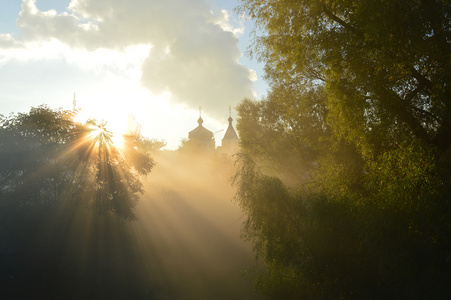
point(81, 220)
point(225, 149)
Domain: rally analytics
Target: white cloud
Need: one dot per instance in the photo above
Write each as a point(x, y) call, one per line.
point(181, 46)
point(223, 20)
point(201, 69)
point(7, 41)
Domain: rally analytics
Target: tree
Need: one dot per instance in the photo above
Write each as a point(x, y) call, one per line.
point(385, 66)
point(67, 194)
point(358, 113)
point(48, 158)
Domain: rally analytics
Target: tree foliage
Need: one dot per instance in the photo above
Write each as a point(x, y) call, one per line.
point(345, 165)
point(49, 159)
point(67, 193)
point(386, 66)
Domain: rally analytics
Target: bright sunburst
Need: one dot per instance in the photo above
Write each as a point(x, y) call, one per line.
point(113, 134)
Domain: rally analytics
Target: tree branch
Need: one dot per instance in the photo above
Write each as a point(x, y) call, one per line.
point(341, 22)
point(422, 80)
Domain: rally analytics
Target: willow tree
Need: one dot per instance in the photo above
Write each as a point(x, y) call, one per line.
point(386, 65)
point(358, 111)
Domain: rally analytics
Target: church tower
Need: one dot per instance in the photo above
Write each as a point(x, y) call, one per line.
point(230, 141)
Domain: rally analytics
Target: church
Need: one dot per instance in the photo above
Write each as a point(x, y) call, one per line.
point(230, 141)
point(201, 139)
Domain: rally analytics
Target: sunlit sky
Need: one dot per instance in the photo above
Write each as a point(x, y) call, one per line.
point(158, 61)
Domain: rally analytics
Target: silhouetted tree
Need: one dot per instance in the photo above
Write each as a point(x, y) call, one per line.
point(67, 193)
point(47, 158)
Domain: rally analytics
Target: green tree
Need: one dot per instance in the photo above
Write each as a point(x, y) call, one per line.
point(358, 115)
point(385, 65)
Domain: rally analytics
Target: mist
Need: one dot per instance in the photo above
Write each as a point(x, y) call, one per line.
point(187, 214)
point(183, 244)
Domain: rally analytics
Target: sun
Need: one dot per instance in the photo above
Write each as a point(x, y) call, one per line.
point(97, 132)
point(111, 130)
point(118, 140)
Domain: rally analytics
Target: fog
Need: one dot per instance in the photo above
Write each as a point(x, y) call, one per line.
point(184, 244)
point(193, 229)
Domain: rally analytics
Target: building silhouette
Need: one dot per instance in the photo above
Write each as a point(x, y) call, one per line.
point(200, 138)
point(230, 141)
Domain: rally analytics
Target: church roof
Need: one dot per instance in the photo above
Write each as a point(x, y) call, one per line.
point(200, 131)
point(230, 133)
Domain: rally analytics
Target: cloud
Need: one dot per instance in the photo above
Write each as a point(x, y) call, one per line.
point(8, 42)
point(193, 51)
point(200, 67)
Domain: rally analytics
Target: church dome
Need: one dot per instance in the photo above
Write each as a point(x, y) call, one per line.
point(201, 138)
point(200, 132)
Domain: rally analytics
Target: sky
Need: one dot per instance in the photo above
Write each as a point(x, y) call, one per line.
point(155, 61)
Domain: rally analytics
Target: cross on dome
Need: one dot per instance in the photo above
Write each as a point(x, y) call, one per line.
point(200, 121)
